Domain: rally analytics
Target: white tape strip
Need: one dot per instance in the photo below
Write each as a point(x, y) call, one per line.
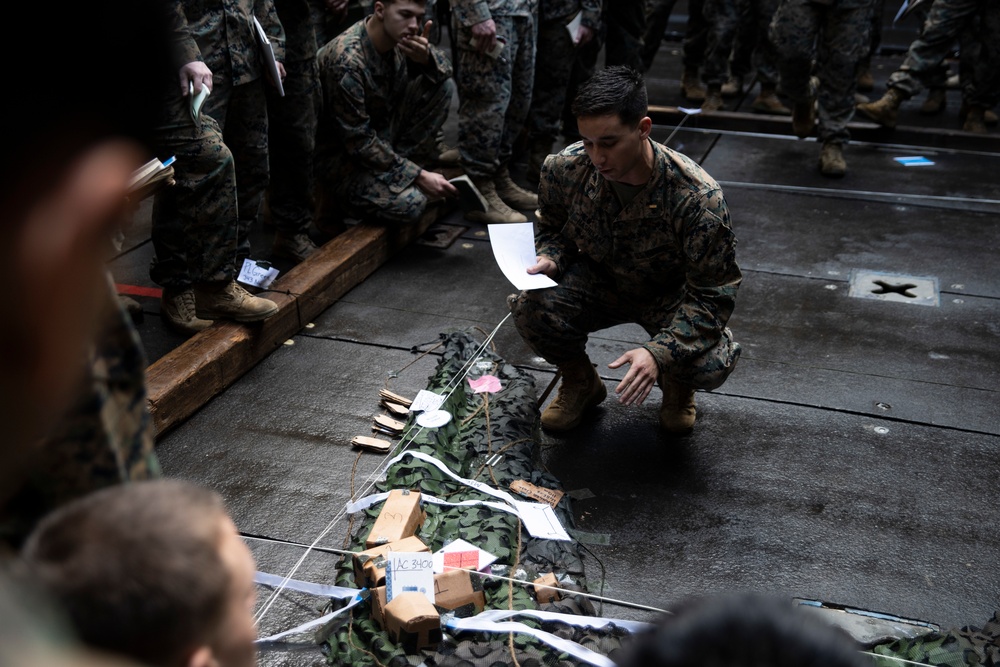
point(306, 627)
point(558, 643)
point(594, 622)
point(322, 590)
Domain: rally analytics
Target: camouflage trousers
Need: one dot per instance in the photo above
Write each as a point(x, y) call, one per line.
point(494, 94)
point(291, 144)
point(556, 321)
point(695, 32)
point(945, 23)
point(744, 43)
point(241, 112)
point(557, 51)
point(415, 130)
point(194, 221)
point(836, 36)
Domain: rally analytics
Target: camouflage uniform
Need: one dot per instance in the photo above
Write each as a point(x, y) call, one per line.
point(221, 34)
point(495, 93)
point(381, 118)
point(105, 438)
point(695, 32)
point(666, 261)
point(836, 35)
point(738, 40)
point(945, 23)
point(557, 50)
point(292, 119)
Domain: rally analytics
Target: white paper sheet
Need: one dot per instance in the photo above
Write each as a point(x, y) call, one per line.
point(409, 572)
point(514, 250)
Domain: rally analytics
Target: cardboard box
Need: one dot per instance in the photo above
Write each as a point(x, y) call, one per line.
point(377, 601)
point(545, 594)
point(401, 516)
point(369, 565)
point(459, 591)
point(412, 622)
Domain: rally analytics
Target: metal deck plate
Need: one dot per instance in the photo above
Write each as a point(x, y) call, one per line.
point(915, 290)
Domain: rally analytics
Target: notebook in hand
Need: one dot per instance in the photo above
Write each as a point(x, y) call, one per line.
point(469, 195)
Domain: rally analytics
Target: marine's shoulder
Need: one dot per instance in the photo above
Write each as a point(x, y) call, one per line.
point(344, 47)
point(682, 170)
point(570, 162)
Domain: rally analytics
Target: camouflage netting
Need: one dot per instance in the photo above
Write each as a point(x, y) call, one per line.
point(482, 426)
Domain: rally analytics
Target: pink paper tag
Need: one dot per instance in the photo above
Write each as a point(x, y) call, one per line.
point(461, 559)
point(489, 383)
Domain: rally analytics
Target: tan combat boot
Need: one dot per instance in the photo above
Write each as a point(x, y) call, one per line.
point(713, 99)
point(767, 101)
point(581, 389)
point(498, 212)
point(232, 302)
point(513, 194)
point(937, 100)
point(677, 414)
point(831, 161)
point(733, 86)
point(179, 313)
point(691, 87)
point(885, 110)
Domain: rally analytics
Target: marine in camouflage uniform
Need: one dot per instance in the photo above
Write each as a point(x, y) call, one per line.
point(292, 123)
point(105, 438)
point(945, 23)
point(495, 93)
point(381, 119)
point(557, 50)
point(666, 261)
point(836, 35)
point(221, 34)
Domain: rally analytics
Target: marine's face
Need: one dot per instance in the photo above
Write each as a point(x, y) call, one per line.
point(616, 148)
point(400, 18)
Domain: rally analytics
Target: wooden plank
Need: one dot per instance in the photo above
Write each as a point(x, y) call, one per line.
point(186, 378)
point(903, 135)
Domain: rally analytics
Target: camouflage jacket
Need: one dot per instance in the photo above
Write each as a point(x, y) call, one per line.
point(471, 12)
point(550, 10)
point(302, 21)
point(671, 248)
point(221, 34)
point(362, 91)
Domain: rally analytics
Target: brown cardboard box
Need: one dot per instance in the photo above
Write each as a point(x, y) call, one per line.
point(377, 602)
point(401, 516)
point(459, 591)
point(413, 622)
point(544, 594)
point(369, 565)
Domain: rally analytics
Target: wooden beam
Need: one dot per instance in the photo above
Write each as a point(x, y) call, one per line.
point(904, 135)
point(186, 378)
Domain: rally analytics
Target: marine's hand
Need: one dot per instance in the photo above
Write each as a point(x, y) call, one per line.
point(544, 265)
point(417, 47)
point(198, 73)
point(640, 378)
point(434, 185)
point(485, 34)
point(584, 35)
point(281, 70)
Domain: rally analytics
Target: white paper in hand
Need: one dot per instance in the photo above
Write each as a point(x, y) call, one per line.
point(514, 250)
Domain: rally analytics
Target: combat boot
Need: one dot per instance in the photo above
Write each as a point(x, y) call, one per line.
point(513, 194)
point(975, 120)
point(733, 86)
point(713, 99)
point(498, 211)
point(767, 101)
point(937, 100)
point(179, 312)
point(231, 302)
point(691, 87)
point(677, 413)
point(581, 389)
point(885, 110)
point(831, 160)
point(296, 247)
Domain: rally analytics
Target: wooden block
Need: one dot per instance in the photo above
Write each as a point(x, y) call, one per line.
point(401, 516)
point(388, 424)
point(395, 398)
point(539, 493)
point(546, 588)
point(396, 409)
point(371, 444)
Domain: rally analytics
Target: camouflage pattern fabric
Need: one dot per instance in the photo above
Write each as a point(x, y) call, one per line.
point(565, 10)
point(945, 23)
point(495, 93)
point(666, 261)
point(724, 17)
point(381, 118)
point(482, 426)
point(836, 36)
point(752, 49)
point(962, 647)
point(194, 221)
point(105, 438)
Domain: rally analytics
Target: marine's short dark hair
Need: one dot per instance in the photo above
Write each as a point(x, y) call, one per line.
point(617, 90)
point(136, 568)
point(742, 630)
